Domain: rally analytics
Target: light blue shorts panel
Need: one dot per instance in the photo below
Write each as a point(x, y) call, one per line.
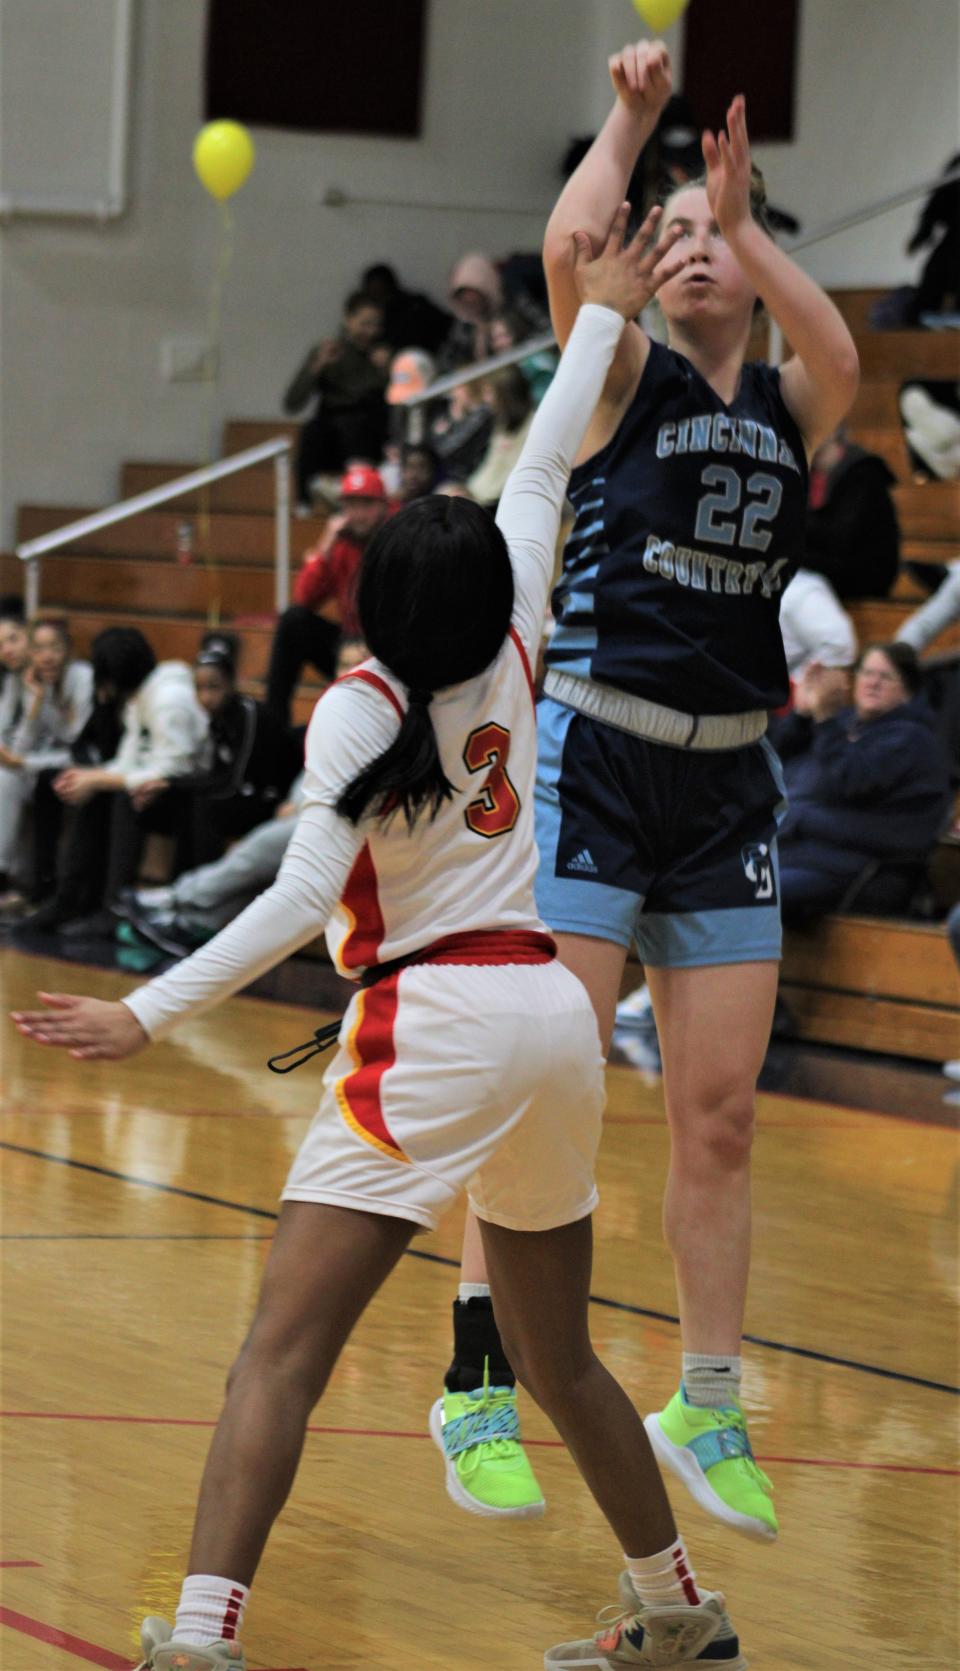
point(672, 849)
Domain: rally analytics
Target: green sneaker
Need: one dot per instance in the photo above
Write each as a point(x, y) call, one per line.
point(487, 1468)
point(162, 1653)
point(709, 1450)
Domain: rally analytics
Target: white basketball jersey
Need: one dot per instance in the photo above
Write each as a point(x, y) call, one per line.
point(473, 866)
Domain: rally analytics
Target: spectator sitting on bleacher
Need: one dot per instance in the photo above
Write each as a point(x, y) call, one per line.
point(461, 436)
point(941, 674)
point(931, 428)
point(410, 320)
point(419, 471)
point(56, 700)
point(323, 608)
point(14, 658)
point(249, 761)
point(475, 294)
point(508, 395)
point(509, 329)
point(866, 783)
point(348, 374)
point(853, 538)
point(200, 902)
point(11, 610)
point(117, 803)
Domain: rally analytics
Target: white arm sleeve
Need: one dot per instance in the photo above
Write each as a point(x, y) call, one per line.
point(350, 727)
point(938, 613)
point(530, 509)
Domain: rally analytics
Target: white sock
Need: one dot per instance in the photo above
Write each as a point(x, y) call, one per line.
point(473, 1291)
point(210, 1610)
point(711, 1381)
point(664, 1580)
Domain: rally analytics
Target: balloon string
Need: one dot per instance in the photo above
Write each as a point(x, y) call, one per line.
point(214, 334)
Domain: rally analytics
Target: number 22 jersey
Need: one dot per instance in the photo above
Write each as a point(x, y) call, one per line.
point(689, 524)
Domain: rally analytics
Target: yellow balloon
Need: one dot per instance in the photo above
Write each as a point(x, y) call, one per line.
point(223, 156)
point(659, 14)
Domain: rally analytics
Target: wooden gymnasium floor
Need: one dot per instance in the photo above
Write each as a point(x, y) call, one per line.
point(138, 1206)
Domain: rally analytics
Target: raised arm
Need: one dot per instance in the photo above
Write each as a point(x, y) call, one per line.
point(611, 288)
point(642, 80)
point(820, 380)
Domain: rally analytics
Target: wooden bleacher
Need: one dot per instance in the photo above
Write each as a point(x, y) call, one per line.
point(874, 984)
point(857, 981)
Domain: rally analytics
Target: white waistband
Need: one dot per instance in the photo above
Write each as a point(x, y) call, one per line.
point(651, 720)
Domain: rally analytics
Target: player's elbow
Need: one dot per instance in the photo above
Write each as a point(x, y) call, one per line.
point(846, 371)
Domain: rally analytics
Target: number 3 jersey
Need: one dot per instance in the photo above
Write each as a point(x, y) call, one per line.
point(689, 524)
point(473, 866)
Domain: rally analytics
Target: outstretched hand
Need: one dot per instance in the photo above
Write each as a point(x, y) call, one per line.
point(89, 1028)
point(727, 159)
point(642, 77)
point(625, 276)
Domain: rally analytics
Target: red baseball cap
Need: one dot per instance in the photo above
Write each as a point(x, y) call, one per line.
point(362, 481)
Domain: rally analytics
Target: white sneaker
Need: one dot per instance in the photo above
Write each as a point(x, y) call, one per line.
point(674, 1636)
point(952, 1069)
point(161, 1652)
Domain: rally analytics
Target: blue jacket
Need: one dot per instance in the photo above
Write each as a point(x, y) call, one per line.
point(869, 789)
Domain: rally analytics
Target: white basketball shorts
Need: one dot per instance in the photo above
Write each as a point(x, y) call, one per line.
point(446, 1077)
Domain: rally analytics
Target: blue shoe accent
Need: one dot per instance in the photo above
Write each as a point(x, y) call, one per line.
point(721, 1445)
point(489, 1421)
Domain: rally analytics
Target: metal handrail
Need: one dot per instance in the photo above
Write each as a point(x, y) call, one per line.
point(30, 551)
point(535, 345)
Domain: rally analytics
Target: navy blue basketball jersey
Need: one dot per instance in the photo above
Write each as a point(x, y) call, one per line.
point(689, 524)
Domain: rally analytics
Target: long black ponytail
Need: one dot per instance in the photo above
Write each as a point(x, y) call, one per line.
point(435, 597)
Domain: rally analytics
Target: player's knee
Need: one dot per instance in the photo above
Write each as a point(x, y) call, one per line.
point(718, 1133)
point(552, 1378)
point(286, 1357)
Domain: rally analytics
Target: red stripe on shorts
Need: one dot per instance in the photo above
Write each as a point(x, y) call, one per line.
point(372, 1045)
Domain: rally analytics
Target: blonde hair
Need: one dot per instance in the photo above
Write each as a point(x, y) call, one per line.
point(758, 195)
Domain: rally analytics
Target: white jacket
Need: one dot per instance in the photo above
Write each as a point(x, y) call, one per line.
point(815, 625)
point(164, 728)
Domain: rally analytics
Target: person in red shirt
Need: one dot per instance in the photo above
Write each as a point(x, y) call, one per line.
point(324, 608)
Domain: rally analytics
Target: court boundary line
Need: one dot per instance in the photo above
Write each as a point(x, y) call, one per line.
point(807, 1352)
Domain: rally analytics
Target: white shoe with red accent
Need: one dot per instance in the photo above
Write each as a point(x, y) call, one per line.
point(161, 1652)
point(675, 1636)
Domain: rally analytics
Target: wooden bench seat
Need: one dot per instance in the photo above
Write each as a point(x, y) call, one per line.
point(235, 537)
point(874, 984)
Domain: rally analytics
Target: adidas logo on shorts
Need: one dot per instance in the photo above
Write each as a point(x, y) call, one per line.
point(583, 861)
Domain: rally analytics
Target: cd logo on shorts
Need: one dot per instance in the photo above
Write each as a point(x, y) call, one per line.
point(758, 868)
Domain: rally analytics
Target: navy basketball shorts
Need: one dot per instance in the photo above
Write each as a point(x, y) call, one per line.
point(672, 848)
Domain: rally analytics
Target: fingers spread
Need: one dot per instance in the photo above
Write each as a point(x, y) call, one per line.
point(618, 227)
